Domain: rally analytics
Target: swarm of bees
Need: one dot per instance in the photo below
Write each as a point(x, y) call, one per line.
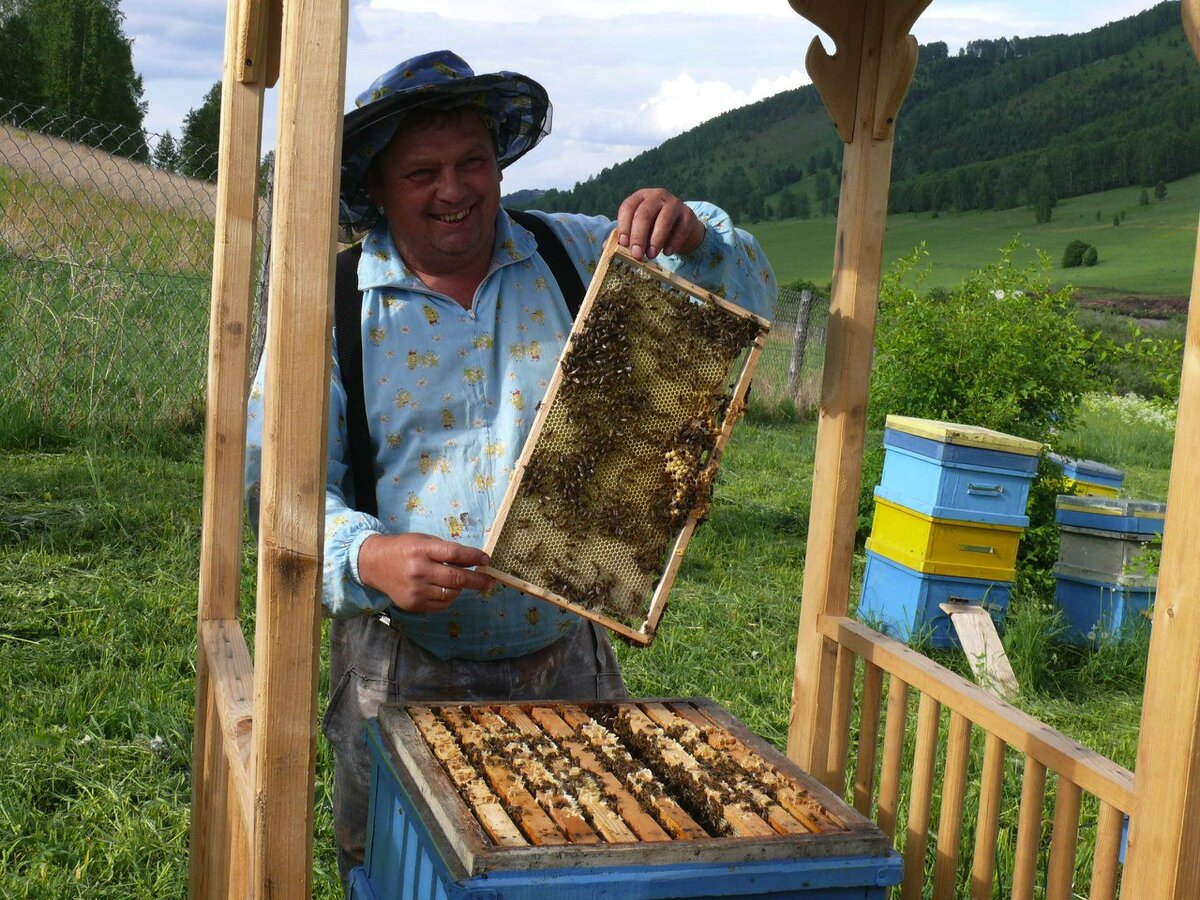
point(621, 461)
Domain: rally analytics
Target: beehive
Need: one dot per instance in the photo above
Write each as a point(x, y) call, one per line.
point(668, 798)
point(619, 463)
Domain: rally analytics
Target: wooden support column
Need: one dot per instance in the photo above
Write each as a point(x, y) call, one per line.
point(212, 860)
point(1161, 860)
point(296, 397)
point(863, 85)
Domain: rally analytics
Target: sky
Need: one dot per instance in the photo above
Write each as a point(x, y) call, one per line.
point(623, 76)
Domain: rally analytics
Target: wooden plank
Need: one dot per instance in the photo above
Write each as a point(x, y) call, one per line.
point(1097, 775)
point(841, 428)
point(839, 728)
point(1161, 860)
point(534, 823)
point(868, 738)
point(232, 684)
point(1106, 860)
point(225, 439)
point(643, 826)
point(486, 806)
point(987, 822)
point(916, 837)
point(954, 786)
point(1064, 839)
point(295, 424)
point(1191, 23)
point(893, 756)
point(981, 644)
point(1029, 829)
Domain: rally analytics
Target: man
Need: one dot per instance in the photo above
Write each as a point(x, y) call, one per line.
point(462, 324)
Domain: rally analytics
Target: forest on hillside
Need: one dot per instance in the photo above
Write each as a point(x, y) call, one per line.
point(1003, 123)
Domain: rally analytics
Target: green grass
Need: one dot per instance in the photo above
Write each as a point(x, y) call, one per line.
point(98, 566)
point(1150, 253)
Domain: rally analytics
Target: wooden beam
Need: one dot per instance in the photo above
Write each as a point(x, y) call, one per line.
point(296, 398)
point(841, 429)
point(1165, 827)
point(225, 438)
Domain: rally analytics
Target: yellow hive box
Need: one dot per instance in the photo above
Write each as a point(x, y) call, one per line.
point(1091, 489)
point(943, 546)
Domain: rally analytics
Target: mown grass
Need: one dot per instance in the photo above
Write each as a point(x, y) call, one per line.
point(1150, 252)
point(98, 566)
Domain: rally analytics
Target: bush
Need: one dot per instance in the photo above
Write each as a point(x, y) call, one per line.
point(1001, 350)
point(1091, 256)
point(1073, 255)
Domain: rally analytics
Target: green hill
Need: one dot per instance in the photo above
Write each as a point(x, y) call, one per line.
point(1006, 123)
point(1146, 258)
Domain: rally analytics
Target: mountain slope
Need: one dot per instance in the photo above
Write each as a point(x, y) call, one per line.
point(1004, 123)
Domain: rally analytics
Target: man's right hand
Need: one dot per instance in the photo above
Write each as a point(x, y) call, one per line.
point(420, 572)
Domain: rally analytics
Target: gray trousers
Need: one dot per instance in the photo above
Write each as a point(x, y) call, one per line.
point(371, 664)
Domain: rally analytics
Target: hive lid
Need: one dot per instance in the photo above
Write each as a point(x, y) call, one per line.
point(1112, 506)
point(1086, 467)
point(964, 435)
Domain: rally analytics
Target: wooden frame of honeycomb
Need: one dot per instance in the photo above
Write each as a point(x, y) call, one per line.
point(618, 467)
point(525, 785)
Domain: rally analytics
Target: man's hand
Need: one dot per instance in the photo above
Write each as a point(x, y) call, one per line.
point(421, 573)
point(653, 221)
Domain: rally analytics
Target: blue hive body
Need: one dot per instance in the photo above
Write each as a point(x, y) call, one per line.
point(415, 851)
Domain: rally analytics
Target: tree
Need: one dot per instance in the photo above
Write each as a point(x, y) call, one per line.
point(1144, 198)
point(1160, 190)
point(20, 63)
point(201, 133)
point(87, 68)
point(787, 204)
point(166, 154)
point(803, 206)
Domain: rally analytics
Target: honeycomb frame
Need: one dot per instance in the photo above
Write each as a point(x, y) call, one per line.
point(618, 467)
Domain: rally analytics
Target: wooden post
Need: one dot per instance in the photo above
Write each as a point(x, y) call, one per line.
point(1161, 860)
point(863, 85)
point(799, 340)
point(211, 862)
point(296, 398)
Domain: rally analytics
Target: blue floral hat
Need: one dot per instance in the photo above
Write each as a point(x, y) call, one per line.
point(516, 109)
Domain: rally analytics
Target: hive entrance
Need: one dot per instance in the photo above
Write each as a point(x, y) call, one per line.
point(619, 464)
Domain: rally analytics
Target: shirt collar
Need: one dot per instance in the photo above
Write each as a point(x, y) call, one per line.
point(382, 266)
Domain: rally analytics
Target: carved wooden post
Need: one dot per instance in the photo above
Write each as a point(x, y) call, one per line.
point(1165, 825)
point(862, 84)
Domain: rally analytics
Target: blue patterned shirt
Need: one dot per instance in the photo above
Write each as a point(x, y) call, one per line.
point(453, 399)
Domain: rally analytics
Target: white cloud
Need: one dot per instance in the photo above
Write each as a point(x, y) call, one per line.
point(683, 102)
point(524, 11)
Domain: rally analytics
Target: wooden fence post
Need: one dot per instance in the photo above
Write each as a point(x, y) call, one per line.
point(1161, 859)
point(799, 340)
point(863, 85)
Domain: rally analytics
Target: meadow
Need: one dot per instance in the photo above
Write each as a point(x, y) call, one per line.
point(1149, 254)
point(98, 569)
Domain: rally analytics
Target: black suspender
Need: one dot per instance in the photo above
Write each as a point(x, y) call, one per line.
point(347, 328)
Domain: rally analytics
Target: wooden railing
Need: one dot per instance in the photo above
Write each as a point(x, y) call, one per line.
point(869, 768)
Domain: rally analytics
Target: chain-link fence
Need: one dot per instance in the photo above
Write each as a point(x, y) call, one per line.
point(105, 274)
point(105, 277)
point(789, 372)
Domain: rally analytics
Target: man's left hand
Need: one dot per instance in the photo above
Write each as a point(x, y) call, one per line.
point(653, 221)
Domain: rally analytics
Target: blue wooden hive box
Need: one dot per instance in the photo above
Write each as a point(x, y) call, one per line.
point(644, 799)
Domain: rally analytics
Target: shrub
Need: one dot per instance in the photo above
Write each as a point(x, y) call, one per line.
point(1091, 256)
point(1001, 350)
point(1073, 255)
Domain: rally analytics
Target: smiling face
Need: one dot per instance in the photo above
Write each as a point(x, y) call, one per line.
point(439, 185)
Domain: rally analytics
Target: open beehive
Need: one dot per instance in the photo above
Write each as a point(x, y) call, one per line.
point(619, 464)
point(525, 786)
